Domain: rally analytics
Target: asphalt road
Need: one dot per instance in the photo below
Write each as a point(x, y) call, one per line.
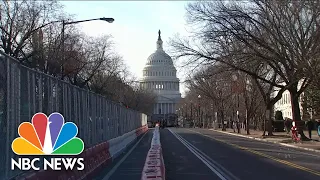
point(130, 164)
point(202, 154)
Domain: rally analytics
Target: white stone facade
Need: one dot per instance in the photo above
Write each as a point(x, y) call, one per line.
point(284, 104)
point(160, 75)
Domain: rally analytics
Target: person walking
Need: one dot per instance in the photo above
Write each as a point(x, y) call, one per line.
point(310, 127)
point(319, 128)
point(287, 125)
point(234, 126)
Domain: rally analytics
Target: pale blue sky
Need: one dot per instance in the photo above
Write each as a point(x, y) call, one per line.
point(135, 28)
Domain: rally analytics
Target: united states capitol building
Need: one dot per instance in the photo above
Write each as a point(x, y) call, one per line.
point(160, 75)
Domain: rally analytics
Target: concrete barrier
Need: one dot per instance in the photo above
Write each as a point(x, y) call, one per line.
point(95, 158)
point(154, 168)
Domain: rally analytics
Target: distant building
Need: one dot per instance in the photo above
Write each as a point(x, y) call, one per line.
point(160, 75)
point(284, 104)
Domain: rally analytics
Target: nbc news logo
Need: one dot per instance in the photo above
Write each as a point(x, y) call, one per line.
point(47, 136)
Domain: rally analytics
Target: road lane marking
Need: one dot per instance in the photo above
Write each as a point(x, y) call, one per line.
point(110, 173)
point(206, 160)
point(211, 161)
point(293, 148)
point(200, 157)
point(263, 155)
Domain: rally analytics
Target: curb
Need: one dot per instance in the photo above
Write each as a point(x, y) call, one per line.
point(259, 139)
point(154, 168)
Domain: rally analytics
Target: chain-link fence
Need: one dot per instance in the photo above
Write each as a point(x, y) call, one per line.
point(24, 92)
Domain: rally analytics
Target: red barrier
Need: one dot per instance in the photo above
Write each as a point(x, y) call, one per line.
point(141, 130)
point(95, 158)
point(154, 168)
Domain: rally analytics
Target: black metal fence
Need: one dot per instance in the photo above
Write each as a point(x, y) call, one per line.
point(24, 92)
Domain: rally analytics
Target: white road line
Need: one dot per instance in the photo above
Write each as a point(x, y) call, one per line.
point(199, 156)
point(110, 173)
point(212, 162)
point(228, 175)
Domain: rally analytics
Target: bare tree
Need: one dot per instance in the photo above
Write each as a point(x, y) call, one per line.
point(279, 36)
point(31, 31)
point(19, 20)
point(144, 100)
point(253, 102)
point(216, 85)
point(213, 83)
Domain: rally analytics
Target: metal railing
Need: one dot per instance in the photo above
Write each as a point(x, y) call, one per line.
point(24, 92)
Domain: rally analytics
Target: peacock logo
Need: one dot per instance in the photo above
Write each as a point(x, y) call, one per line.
point(47, 136)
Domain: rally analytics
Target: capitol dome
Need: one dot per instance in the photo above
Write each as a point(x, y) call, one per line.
point(159, 57)
point(159, 64)
point(159, 75)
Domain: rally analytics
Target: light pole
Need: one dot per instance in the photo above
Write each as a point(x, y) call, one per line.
point(235, 78)
point(64, 23)
point(222, 111)
point(199, 97)
point(179, 117)
point(186, 112)
point(191, 104)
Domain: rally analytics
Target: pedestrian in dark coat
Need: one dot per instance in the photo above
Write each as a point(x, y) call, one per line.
point(310, 127)
point(319, 128)
point(287, 125)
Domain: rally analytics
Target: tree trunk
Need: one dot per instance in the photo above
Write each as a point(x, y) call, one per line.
point(247, 126)
point(296, 115)
point(222, 120)
point(264, 126)
point(268, 118)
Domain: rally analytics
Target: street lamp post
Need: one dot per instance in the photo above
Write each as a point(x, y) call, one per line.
point(235, 78)
point(222, 111)
point(199, 115)
point(192, 114)
point(64, 23)
point(186, 112)
point(179, 117)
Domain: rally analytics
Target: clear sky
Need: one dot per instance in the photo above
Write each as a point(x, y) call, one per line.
point(135, 28)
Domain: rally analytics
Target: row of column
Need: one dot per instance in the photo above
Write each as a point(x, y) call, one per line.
point(164, 108)
point(160, 85)
point(159, 73)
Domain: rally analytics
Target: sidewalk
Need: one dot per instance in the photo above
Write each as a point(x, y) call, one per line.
point(280, 138)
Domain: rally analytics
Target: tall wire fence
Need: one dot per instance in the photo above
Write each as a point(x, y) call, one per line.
point(24, 92)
